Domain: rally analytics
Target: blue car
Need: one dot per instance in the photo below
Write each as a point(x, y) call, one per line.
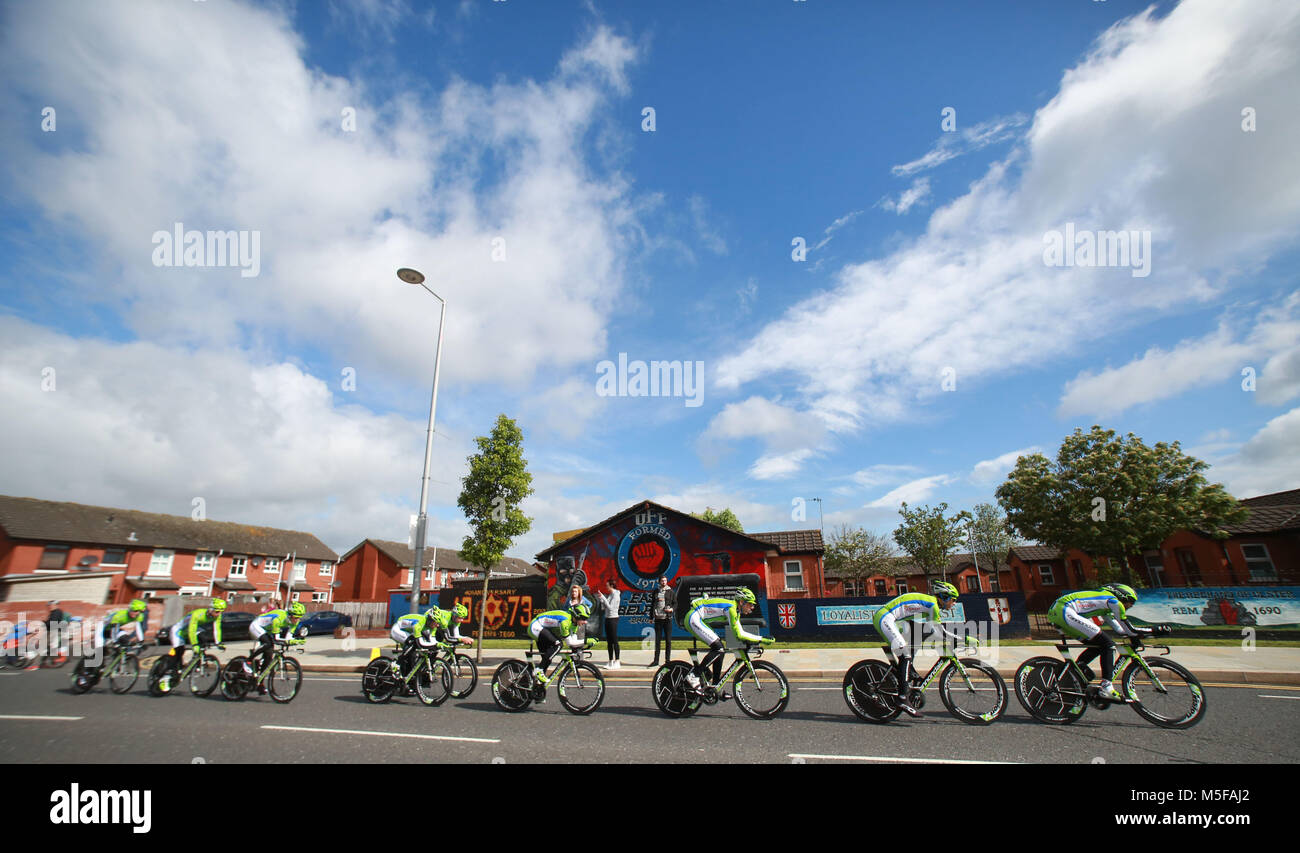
point(325, 621)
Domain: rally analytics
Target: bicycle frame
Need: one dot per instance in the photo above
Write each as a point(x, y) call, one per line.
point(565, 665)
point(742, 662)
point(1130, 653)
point(278, 655)
point(947, 659)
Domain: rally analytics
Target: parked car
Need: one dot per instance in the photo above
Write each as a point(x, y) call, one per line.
point(325, 621)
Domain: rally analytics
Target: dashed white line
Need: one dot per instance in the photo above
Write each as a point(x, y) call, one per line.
point(1267, 696)
point(381, 734)
point(35, 717)
point(888, 759)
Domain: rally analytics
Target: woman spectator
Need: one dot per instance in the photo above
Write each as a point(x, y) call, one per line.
point(611, 601)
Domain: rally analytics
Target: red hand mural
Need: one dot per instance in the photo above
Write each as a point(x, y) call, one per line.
point(647, 556)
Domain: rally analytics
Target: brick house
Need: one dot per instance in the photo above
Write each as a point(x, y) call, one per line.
point(797, 567)
point(104, 555)
point(375, 569)
point(903, 576)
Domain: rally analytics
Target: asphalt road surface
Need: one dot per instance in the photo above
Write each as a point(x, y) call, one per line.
point(330, 722)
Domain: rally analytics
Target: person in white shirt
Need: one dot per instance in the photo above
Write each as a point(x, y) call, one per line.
point(610, 598)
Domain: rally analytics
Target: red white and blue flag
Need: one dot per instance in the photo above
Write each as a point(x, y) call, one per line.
point(1000, 609)
point(785, 613)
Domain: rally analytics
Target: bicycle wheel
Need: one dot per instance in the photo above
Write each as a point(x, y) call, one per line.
point(284, 680)
point(581, 689)
point(54, 660)
point(672, 694)
point(1051, 691)
point(123, 676)
point(205, 676)
point(81, 679)
point(512, 686)
point(979, 698)
point(156, 673)
point(870, 688)
point(464, 676)
point(763, 693)
point(235, 680)
point(432, 683)
point(377, 682)
point(1178, 702)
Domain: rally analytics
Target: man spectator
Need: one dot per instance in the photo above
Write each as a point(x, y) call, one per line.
point(665, 601)
point(57, 631)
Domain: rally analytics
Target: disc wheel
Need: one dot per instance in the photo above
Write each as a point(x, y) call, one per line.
point(205, 676)
point(1178, 702)
point(581, 689)
point(377, 682)
point(512, 686)
point(124, 675)
point(156, 673)
point(1051, 691)
point(285, 680)
point(672, 694)
point(763, 693)
point(235, 681)
point(82, 680)
point(870, 688)
point(979, 698)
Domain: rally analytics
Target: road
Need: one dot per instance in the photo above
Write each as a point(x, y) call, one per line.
point(330, 722)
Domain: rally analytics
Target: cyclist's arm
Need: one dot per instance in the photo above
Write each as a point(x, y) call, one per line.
point(1118, 621)
point(137, 625)
point(216, 630)
point(192, 631)
point(734, 615)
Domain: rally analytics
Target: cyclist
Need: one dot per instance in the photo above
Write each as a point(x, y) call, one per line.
point(552, 626)
point(912, 607)
point(1073, 613)
point(411, 630)
point(272, 625)
point(188, 630)
point(121, 624)
point(715, 609)
point(447, 624)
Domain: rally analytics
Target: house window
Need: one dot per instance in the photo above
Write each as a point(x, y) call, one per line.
point(1046, 575)
point(54, 557)
point(193, 590)
point(326, 568)
point(318, 596)
point(272, 565)
point(853, 587)
point(902, 587)
point(794, 575)
point(880, 588)
point(238, 566)
point(1257, 560)
point(299, 570)
point(972, 584)
point(160, 564)
point(1187, 562)
point(203, 561)
point(114, 557)
point(1155, 568)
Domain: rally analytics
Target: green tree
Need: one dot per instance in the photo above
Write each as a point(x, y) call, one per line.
point(726, 518)
point(991, 540)
point(928, 536)
point(497, 482)
point(855, 553)
point(1112, 497)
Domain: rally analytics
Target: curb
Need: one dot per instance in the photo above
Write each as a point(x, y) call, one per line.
point(1208, 675)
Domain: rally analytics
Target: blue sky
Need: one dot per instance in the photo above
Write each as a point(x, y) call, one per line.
point(522, 123)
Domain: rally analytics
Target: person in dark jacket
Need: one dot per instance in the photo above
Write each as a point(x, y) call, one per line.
point(665, 601)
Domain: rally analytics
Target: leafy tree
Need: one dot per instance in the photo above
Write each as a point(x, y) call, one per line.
point(726, 518)
point(1112, 497)
point(928, 536)
point(855, 553)
point(991, 540)
point(498, 480)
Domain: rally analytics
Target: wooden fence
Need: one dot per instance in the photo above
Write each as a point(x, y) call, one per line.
point(366, 615)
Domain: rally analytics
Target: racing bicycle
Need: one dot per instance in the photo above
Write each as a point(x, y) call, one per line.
point(760, 688)
point(280, 677)
point(1057, 691)
point(429, 678)
point(203, 672)
point(122, 667)
point(972, 692)
point(580, 685)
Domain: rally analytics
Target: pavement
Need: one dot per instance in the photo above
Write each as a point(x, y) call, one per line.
point(1227, 664)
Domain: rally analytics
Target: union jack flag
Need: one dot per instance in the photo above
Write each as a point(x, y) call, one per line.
point(785, 613)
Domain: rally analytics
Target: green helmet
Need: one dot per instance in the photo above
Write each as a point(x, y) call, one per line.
point(460, 612)
point(296, 610)
point(1123, 592)
point(943, 589)
point(580, 611)
point(219, 605)
point(746, 594)
point(432, 613)
point(137, 604)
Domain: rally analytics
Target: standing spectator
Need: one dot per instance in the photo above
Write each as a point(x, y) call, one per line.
point(57, 631)
point(611, 601)
point(665, 600)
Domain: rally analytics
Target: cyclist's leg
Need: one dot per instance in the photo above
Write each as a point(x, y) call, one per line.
point(702, 632)
point(1082, 628)
point(898, 644)
point(178, 648)
point(547, 644)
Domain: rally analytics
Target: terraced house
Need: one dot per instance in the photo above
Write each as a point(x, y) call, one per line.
point(105, 555)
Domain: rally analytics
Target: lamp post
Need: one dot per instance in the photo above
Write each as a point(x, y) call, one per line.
point(821, 525)
point(411, 276)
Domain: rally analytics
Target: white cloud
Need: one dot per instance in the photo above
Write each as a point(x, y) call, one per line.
point(918, 192)
point(776, 466)
point(882, 475)
point(1143, 133)
point(790, 437)
point(956, 143)
point(1268, 462)
point(704, 231)
point(1279, 381)
point(829, 231)
point(992, 470)
point(911, 493)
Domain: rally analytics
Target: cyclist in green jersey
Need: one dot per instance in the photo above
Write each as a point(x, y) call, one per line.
point(1073, 614)
point(707, 613)
point(912, 607)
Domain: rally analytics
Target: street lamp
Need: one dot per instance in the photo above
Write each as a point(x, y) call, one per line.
point(411, 276)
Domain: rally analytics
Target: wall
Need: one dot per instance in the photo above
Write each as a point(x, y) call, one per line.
point(848, 619)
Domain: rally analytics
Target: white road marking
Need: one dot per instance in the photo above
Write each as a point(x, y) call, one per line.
point(35, 717)
point(381, 734)
point(1267, 696)
point(887, 759)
